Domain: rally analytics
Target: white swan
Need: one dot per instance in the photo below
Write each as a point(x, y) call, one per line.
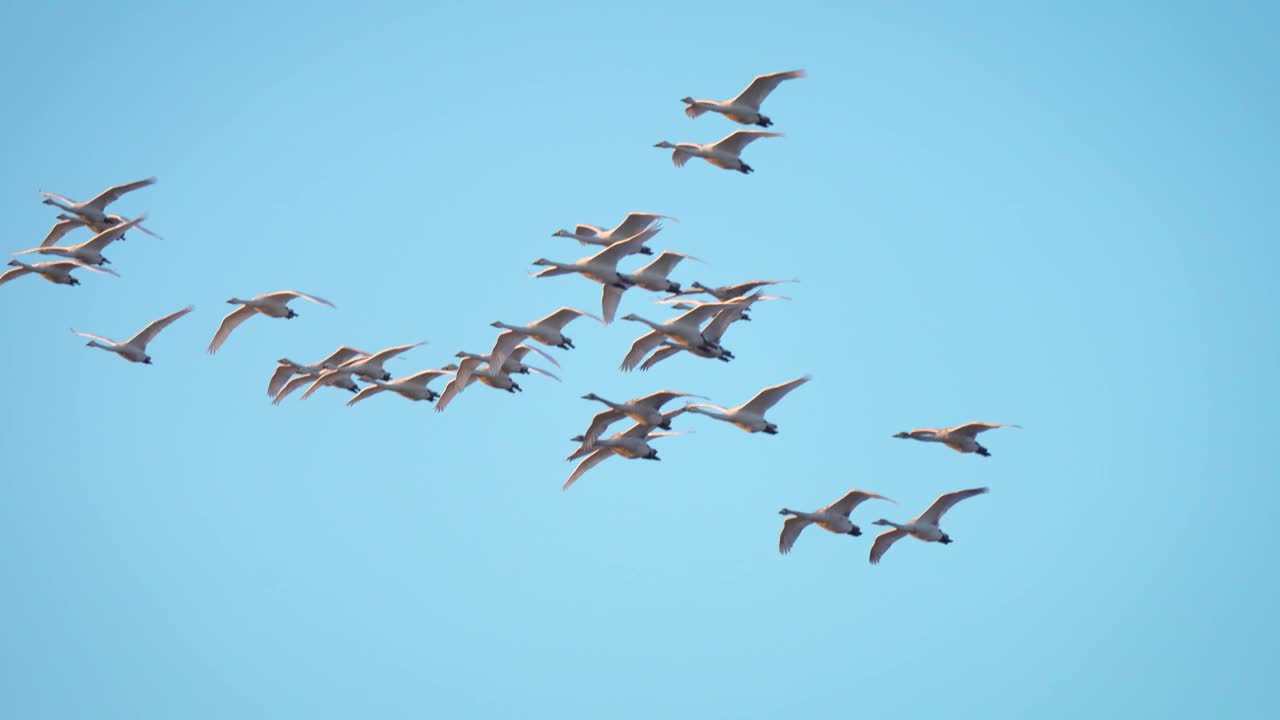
point(370, 367)
point(413, 387)
point(288, 368)
point(67, 223)
point(325, 378)
point(684, 330)
point(548, 331)
point(723, 153)
point(646, 410)
point(653, 276)
point(750, 415)
point(602, 268)
point(832, 518)
point(514, 363)
point(135, 348)
point(745, 301)
point(924, 527)
point(962, 438)
point(745, 108)
point(632, 444)
point(634, 224)
point(270, 304)
point(713, 332)
point(727, 292)
point(586, 447)
point(93, 211)
point(57, 272)
point(88, 252)
point(469, 371)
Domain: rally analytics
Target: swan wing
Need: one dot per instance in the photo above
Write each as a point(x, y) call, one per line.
point(883, 541)
point(640, 348)
point(229, 323)
point(562, 317)
point(599, 424)
point(540, 371)
point(69, 265)
point(769, 396)
point(292, 385)
point(851, 500)
point(279, 378)
point(661, 355)
point(736, 141)
point(790, 531)
point(525, 349)
point(95, 337)
point(665, 263)
point(112, 194)
point(149, 332)
point(328, 377)
point(609, 300)
point(384, 355)
point(944, 502)
point(365, 393)
point(461, 379)
point(502, 347)
point(760, 88)
point(592, 460)
point(425, 377)
point(284, 295)
point(972, 429)
point(662, 397)
point(341, 355)
point(636, 222)
point(60, 228)
point(111, 234)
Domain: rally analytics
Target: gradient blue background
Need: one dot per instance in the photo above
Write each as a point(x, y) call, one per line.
point(1059, 216)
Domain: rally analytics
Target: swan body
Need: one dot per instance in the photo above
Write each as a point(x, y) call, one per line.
point(89, 252)
point(832, 518)
point(93, 211)
point(750, 415)
point(288, 368)
point(961, 438)
point(57, 272)
point(724, 153)
point(745, 108)
point(923, 527)
point(275, 305)
point(135, 348)
point(413, 387)
point(469, 371)
point(634, 224)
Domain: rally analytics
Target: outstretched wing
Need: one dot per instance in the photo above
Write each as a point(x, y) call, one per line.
point(325, 378)
point(540, 371)
point(944, 502)
point(609, 299)
point(95, 337)
point(461, 379)
point(502, 348)
point(112, 194)
point(973, 428)
point(425, 377)
point(735, 142)
point(883, 542)
point(364, 394)
point(521, 350)
point(60, 228)
point(591, 461)
point(285, 294)
point(665, 263)
point(599, 424)
point(639, 349)
point(662, 397)
point(292, 385)
point(229, 323)
point(558, 319)
point(341, 355)
point(635, 223)
point(760, 88)
point(661, 355)
point(790, 531)
point(111, 234)
point(769, 396)
point(15, 273)
point(149, 332)
point(278, 378)
point(384, 355)
point(851, 500)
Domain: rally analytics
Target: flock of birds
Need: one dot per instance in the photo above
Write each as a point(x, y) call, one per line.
point(698, 330)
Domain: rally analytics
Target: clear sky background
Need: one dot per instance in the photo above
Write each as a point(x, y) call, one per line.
point(1063, 216)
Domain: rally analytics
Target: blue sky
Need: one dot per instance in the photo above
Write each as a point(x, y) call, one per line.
point(1062, 217)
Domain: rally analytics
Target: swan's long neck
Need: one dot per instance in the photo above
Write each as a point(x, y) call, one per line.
point(650, 323)
point(238, 301)
point(888, 523)
point(701, 410)
point(95, 343)
point(55, 203)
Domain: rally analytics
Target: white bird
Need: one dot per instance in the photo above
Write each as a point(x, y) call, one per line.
point(288, 368)
point(924, 527)
point(634, 224)
point(370, 367)
point(832, 518)
point(93, 212)
point(745, 108)
point(413, 387)
point(57, 272)
point(713, 332)
point(685, 330)
point(469, 371)
point(750, 415)
point(654, 275)
point(135, 348)
point(632, 444)
point(586, 447)
point(727, 292)
point(723, 154)
point(962, 438)
point(646, 410)
point(67, 223)
point(514, 363)
point(325, 378)
point(548, 331)
point(270, 304)
point(88, 252)
point(602, 268)
point(746, 301)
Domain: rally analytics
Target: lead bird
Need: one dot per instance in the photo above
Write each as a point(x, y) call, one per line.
point(275, 305)
point(745, 108)
point(135, 348)
point(832, 518)
point(923, 527)
point(961, 438)
point(725, 153)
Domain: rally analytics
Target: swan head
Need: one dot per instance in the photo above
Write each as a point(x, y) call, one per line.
point(562, 233)
point(630, 316)
point(590, 396)
point(664, 144)
point(578, 438)
point(687, 100)
point(450, 366)
point(884, 522)
point(903, 435)
point(237, 301)
point(497, 324)
point(16, 263)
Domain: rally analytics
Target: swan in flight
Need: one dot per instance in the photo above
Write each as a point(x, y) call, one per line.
point(723, 154)
point(962, 438)
point(746, 301)
point(750, 415)
point(413, 387)
point(514, 364)
point(316, 380)
point(645, 410)
point(288, 368)
point(832, 518)
point(654, 275)
point(726, 292)
point(548, 331)
point(602, 268)
point(713, 332)
point(88, 252)
point(469, 371)
point(745, 108)
point(634, 224)
point(273, 305)
point(57, 272)
point(135, 348)
point(93, 212)
point(924, 527)
point(370, 368)
point(632, 444)
point(585, 446)
point(684, 330)
point(67, 223)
